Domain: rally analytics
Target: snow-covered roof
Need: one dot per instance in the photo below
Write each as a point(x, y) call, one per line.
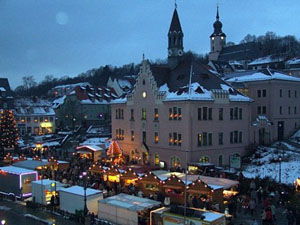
point(266, 60)
point(2, 89)
point(46, 182)
point(124, 83)
point(58, 102)
point(259, 76)
point(119, 101)
point(293, 61)
point(94, 148)
point(34, 111)
point(71, 85)
point(130, 202)
point(78, 190)
point(16, 170)
point(204, 95)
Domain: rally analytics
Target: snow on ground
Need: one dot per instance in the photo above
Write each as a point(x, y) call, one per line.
point(265, 163)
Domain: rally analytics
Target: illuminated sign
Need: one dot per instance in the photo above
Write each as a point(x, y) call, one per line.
point(46, 124)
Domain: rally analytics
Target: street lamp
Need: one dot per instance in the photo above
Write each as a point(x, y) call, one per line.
point(83, 177)
point(3, 222)
point(279, 168)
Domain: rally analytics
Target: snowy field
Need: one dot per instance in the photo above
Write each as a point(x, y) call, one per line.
point(265, 163)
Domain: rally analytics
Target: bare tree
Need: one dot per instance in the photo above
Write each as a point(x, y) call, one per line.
point(28, 82)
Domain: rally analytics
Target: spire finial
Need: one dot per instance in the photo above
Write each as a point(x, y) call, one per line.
point(217, 12)
point(143, 56)
point(175, 4)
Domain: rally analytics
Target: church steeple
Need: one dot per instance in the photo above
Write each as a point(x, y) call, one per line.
point(175, 39)
point(217, 39)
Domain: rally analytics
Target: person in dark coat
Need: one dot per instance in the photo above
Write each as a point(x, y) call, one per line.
point(290, 218)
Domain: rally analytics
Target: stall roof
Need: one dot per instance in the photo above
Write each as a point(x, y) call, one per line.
point(16, 170)
point(130, 202)
point(78, 190)
point(30, 164)
point(45, 182)
point(213, 182)
point(93, 148)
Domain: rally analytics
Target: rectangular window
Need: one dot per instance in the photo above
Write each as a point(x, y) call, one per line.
point(117, 134)
point(170, 114)
point(289, 93)
point(143, 114)
point(204, 113)
point(231, 113)
point(179, 114)
point(51, 119)
point(175, 113)
point(289, 110)
point(240, 113)
point(132, 114)
point(175, 138)
point(28, 120)
point(144, 137)
point(204, 139)
point(155, 114)
point(258, 109)
point(240, 137)
point(41, 119)
point(264, 110)
point(210, 113)
point(122, 114)
point(231, 137)
point(236, 111)
point(221, 138)
point(117, 113)
point(220, 113)
point(264, 93)
point(280, 93)
point(170, 139)
point(199, 114)
point(258, 93)
point(280, 110)
point(123, 135)
point(199, 139)
point(179, 140)
point(210, 139)
point(132, 135)
point(155, 137)
point(236, 133)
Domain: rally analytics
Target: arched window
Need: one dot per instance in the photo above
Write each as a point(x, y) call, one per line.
point(156, 159)
point(175, 161)
point(204, 159)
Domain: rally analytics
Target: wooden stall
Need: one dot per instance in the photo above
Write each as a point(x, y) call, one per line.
point(129, 177)
point(213, 194)
point(93, 152)
point(150, 184)
point(174, 188)
point(96, 169)
point(112, 175)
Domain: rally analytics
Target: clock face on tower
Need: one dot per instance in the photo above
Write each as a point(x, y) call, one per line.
point(170, 52)
point(180, 52)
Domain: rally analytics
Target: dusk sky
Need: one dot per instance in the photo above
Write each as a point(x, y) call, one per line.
point(67, 37)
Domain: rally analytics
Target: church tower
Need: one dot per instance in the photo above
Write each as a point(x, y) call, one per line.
point(217, 39)
point(175, 40)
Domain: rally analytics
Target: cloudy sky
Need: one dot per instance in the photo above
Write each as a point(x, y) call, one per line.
point(67, 37)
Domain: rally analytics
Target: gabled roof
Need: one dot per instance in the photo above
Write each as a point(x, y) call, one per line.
point(4, 85)
point(94, 95)
point(175, 24)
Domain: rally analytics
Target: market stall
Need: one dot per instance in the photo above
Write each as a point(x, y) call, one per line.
point(72, 199)
point(93, 152)
point(114, 152)
point(17, 180)
point(174, 188)
point(211, 194)
point(112, 175)
point(43, 190)
point(129, 177)
point(175, 215)
point(96, 169)
point(150, 184)
point(126, 209)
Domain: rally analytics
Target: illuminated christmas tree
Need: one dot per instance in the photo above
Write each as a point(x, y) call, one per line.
point(8, 130)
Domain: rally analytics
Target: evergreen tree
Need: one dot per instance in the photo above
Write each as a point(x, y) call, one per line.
point(8, 130)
